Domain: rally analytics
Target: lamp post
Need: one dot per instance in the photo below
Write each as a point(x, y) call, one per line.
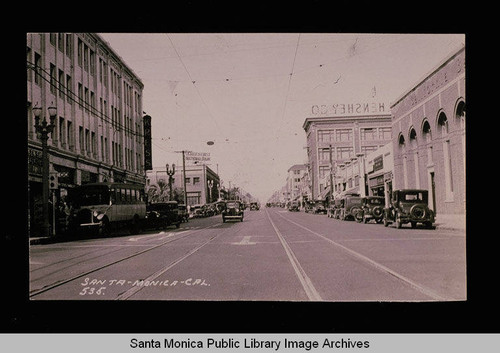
point(170, 173)
point(44, 129)
point(210, 184)
point(361, 167)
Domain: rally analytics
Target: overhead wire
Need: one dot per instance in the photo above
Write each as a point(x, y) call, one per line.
point(193, 81)
point(56, 84)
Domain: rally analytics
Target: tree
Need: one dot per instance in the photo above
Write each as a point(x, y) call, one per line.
point(160, 192)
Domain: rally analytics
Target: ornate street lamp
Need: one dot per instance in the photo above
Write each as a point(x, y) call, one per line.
point(44, 129)
point(170, 173)
point(210, 184)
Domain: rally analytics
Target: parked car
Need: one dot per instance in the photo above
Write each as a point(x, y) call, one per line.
point(163, 215)
point(372, 207)
point(293, 206)
point(183, 213)
point(338, 203)
point(330, 210)
point(196, 211)
point(350, 207)
point(232, 210)
point(409, 206)
point(308, 208)
point(319, 208)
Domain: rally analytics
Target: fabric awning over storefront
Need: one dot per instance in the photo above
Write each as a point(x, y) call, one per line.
point(323, 193)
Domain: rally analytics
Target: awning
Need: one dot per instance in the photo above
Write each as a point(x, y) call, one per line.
point(323, 193)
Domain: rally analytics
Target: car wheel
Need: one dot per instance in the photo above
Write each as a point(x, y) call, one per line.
point(413, 224)
point(104, 228)
point(223, 219)
point(386, 222)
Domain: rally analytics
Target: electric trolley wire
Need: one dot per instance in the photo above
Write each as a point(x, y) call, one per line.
point(193, 81)
point(289, 83)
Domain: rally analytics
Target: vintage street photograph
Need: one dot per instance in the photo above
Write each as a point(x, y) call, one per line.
point(246, 167)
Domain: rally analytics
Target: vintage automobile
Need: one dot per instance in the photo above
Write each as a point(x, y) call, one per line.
point(409, 206)
point(162, 215)
point(195, 211)
point(350, 207)
point(183, 213)
point(330, 209)
point(336, 207)
point(232, 210)
point(308, 208)
point(372, 207)
point(254, 206)
point(319, 208)
point(293, 206)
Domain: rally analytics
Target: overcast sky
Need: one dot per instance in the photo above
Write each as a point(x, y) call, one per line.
point(250, 93)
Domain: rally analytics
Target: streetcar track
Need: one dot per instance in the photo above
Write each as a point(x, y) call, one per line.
point(304, 279)
point(59, 283)
point(420, 288)
point(134, 290)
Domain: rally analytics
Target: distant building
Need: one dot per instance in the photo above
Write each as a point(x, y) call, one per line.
point(202, 183)
point(294, 181)
point(343, 132)
point(428, 127)
point(98, 133)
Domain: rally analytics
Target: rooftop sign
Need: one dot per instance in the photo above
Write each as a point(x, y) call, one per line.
point(342, 109)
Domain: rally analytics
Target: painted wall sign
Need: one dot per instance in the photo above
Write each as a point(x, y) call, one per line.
point(197, 156)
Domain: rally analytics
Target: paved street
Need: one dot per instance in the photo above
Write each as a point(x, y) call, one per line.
point(273, 255)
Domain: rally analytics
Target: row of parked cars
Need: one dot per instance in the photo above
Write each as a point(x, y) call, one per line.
point(405, 206)
point(165, 214)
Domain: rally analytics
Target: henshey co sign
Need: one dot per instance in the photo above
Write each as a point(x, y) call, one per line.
point(349, 109)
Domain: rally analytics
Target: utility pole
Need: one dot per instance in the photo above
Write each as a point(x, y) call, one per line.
point(184, 175)
point(184, 179)
point(331, 175)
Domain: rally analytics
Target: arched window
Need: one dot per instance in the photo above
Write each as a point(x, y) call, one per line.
point(413, 137)
point(460, 121)
point(460, 113)
point(401, 141)
point(443, 124)
point(427, 135)
point(426, 131)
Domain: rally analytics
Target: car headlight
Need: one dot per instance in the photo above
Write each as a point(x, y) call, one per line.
point(98, 215)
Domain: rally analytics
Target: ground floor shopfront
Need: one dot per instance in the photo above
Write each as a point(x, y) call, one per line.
point(71, 172)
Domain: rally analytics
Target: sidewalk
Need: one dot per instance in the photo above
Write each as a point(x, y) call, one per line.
point(450, 221)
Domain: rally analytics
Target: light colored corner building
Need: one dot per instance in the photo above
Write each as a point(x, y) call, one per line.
point(428, 127)
point(295, 185)
point(98, 133)
point(343, 133)
point(203, 185)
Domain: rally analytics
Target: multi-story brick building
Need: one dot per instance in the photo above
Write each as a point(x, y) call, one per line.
point(343, 132)
point(429, 136)
point(98, 134)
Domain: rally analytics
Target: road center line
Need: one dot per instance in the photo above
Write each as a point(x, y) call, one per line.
point(308, 286)
point(375, 264)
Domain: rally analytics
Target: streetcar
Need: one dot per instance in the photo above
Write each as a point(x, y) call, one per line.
point(103, 207)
